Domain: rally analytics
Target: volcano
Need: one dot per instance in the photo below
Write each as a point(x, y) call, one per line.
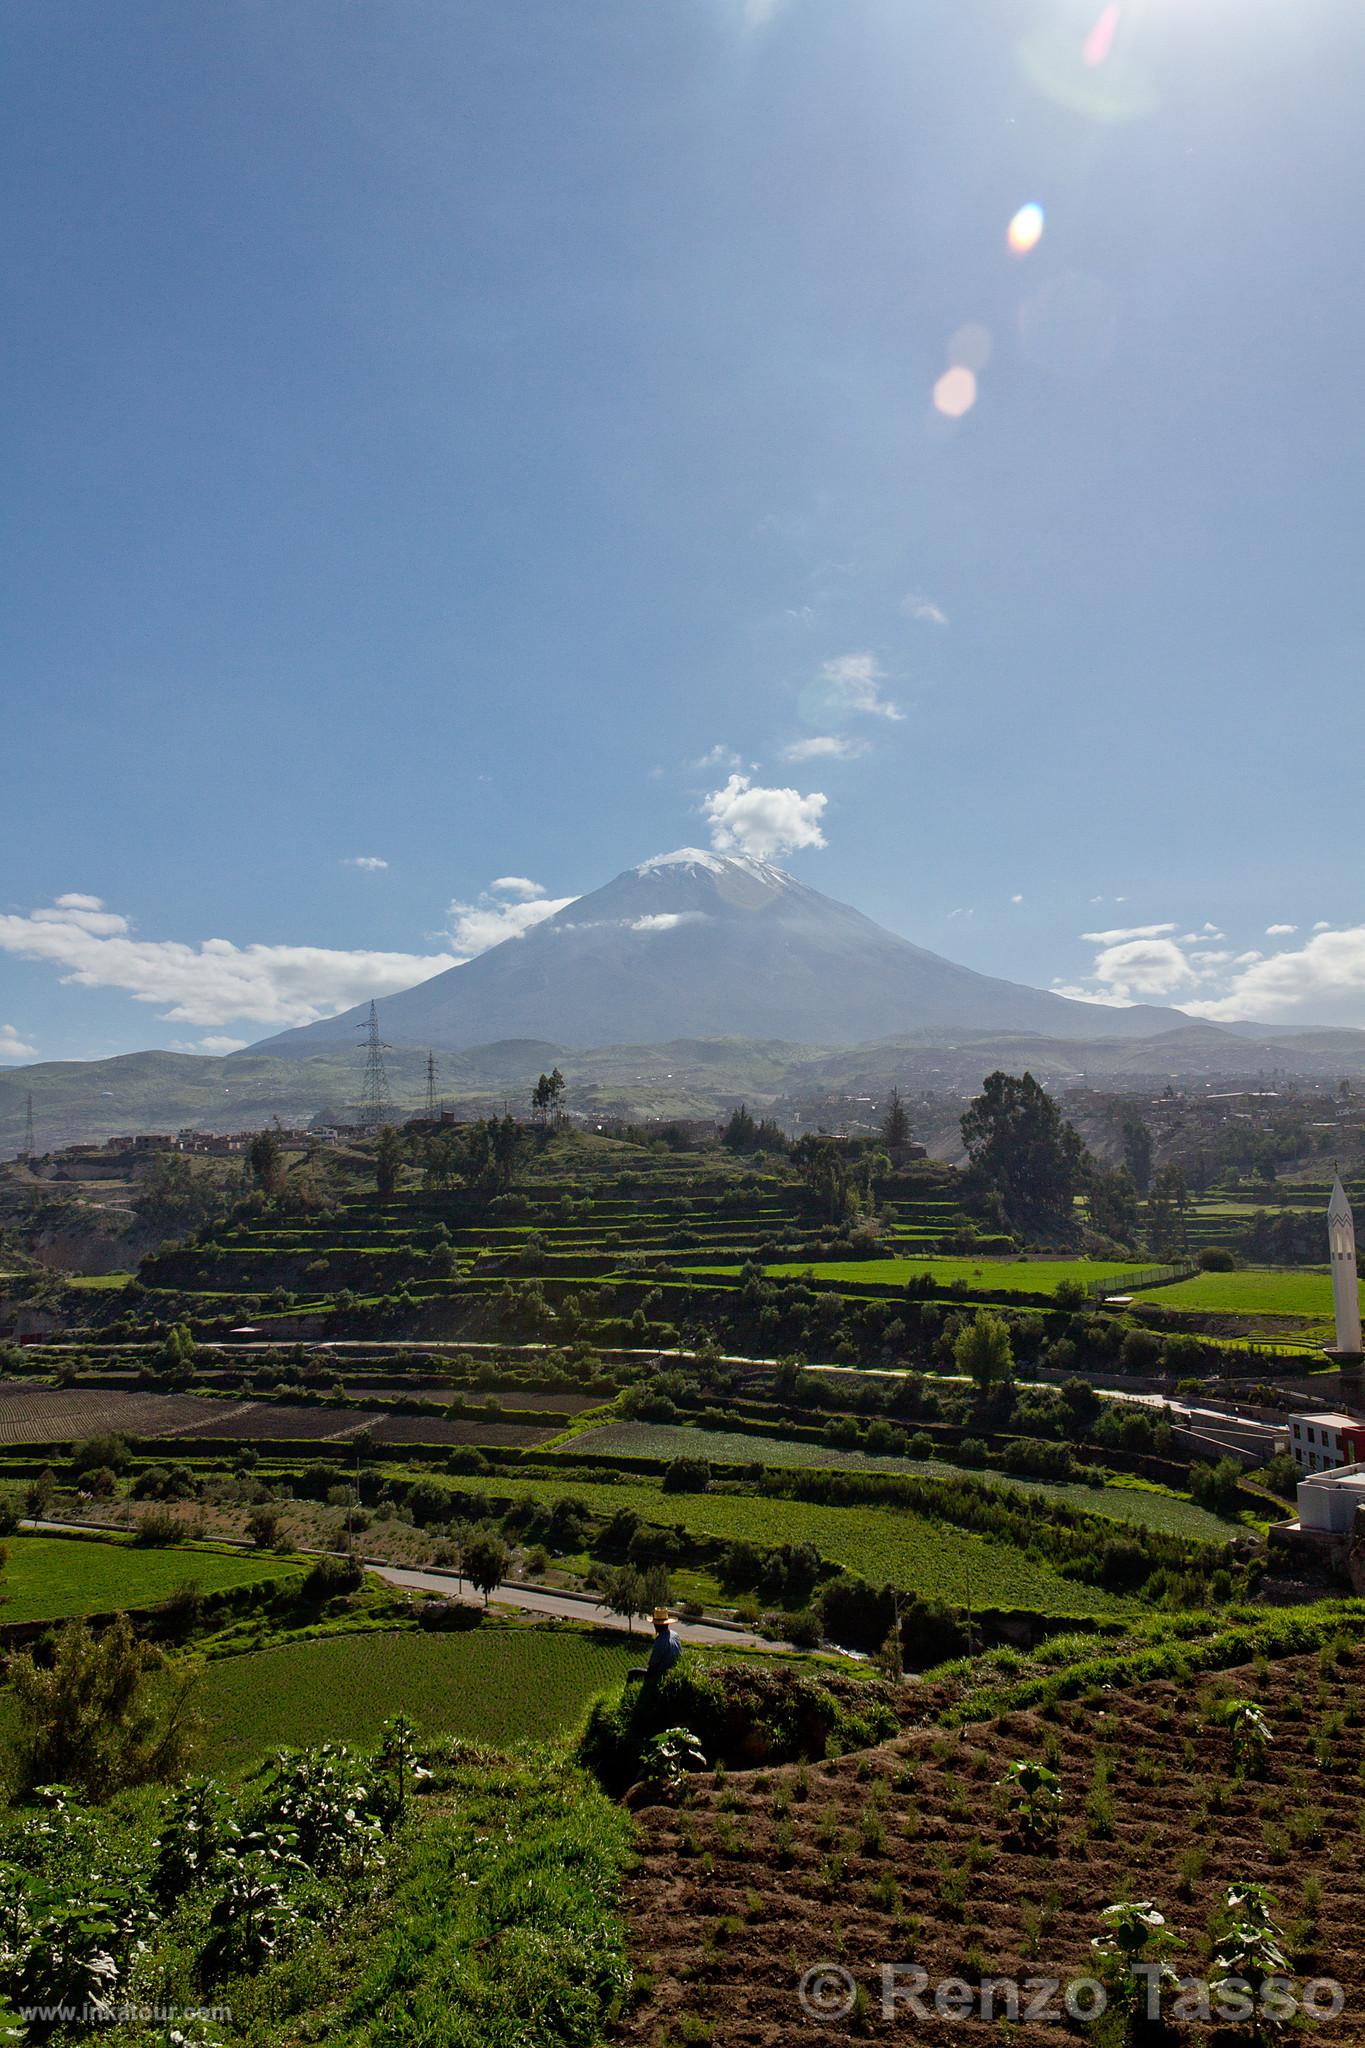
point(706, 945)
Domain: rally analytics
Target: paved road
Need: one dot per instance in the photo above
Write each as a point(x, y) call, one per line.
point(569, 1606)
point(526, 1599)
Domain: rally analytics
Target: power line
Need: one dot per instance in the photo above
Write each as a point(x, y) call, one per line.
point(376, 1104)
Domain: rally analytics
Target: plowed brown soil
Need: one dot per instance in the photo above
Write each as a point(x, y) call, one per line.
point(905, 1854)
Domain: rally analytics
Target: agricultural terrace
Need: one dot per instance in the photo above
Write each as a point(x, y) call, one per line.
point(995, 1278)
point(1261, 1291)
point(49, 1577)
point(882, 1544)
point(493, 1684)
point(1145, 1506)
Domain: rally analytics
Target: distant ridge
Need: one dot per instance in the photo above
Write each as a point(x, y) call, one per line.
point(694, 944)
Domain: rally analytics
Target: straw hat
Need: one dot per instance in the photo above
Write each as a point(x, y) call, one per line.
point(661, 1617)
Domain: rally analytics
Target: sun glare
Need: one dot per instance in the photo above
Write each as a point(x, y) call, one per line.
point(1025, 231)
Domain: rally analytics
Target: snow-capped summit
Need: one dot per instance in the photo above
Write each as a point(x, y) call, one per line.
point(697, 944)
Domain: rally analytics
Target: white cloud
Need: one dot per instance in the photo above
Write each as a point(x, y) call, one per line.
point(763, 822)
point(1322, 982)
point(720, 756)
point(961, 911)
point(13, 1047)
point(216, 1043)
point(1203, 958)
point(849, 686)
point(371, 862)
point(1242, 960)
point(924, 609)
point(215, 981)
point(825, 747)
point(1280, 931)
point(1322, 925)
point(517, 885)
point(667, 920)
point(1091, 995)
point(1132, 931)
point(474, 927)
point(758, 13)
point(1016, 899)
point(1144, 967)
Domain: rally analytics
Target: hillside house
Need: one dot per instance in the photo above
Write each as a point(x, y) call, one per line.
point(1322, 1442)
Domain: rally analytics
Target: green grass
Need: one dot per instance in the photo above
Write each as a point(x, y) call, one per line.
point(1259, 1290)
point(667, 1440)
point(47, 1578)
point(980, 1276)
point(96, 1281)
point(498, 1685)
point(883, 1544)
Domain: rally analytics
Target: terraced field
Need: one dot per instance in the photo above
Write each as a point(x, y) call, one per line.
point(48, 1577)
point(665, 1441)
point(885, 1545)
point(979, 1276)
point(498, 1685)
point(1259, 1291)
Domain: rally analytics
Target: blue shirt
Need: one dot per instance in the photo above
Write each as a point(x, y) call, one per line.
point(665, 1654)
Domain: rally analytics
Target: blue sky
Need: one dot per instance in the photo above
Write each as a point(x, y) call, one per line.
point(454, 441)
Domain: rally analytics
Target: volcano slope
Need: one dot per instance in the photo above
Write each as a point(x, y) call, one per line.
point(905, 1854)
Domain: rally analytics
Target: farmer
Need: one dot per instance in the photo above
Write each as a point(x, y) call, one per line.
point(665, 1654)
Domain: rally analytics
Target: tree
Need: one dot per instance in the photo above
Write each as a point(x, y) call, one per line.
point(741, 1132)
point(1022, 1148)
point(1113, 1204)
point(1137, 1152)
point(388, 1161)
point(983, 1351)
point(624, 1593)
point(265, 1160)
point(486, 1559)
point(821, 1165)
point(109, 1712)
point(1166, 1207)
point(895, 1123)
point(175, 1359)
point(548, 1095)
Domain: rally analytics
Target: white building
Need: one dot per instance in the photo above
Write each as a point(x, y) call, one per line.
point(1341, 1240)
point(1328, 1500)
point(1322, 1442)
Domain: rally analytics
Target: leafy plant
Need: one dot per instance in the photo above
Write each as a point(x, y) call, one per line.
point(1133, 1949)
point(1033, 1797)
point(667, 1759)
point(1249, 1734)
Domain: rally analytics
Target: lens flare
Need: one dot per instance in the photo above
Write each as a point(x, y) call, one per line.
point(1100, 40)
point(1025, 231)
point(955, 392)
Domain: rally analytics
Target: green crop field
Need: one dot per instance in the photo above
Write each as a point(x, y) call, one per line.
point(979, 1276)
point(1260, 1290)
point(49, 1577)
point(883, 1544)
point(498, 1685)
point(668, 1440)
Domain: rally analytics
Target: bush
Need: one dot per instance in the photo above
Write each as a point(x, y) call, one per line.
point(331, 1578)
point(740, 1715)
point(442, 1615)
point(157, 1529)
point(687, 1475)
point(1215, 1259)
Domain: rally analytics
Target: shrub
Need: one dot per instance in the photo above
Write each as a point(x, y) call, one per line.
point(1214, 1258)
point(332, 1577)
point(740, 1716)
point(441, 1615)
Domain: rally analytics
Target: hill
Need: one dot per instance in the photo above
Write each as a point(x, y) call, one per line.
point(702, 945)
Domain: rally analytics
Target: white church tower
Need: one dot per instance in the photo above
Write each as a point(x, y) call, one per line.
point(1341, 1238)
